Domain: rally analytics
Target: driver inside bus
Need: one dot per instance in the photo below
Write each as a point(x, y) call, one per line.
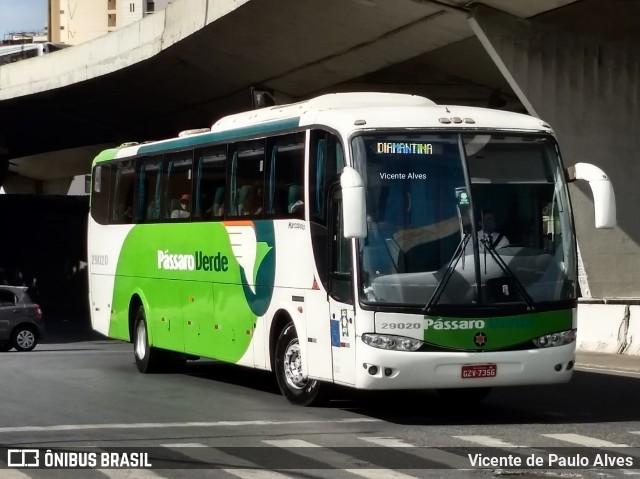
point(487, 234)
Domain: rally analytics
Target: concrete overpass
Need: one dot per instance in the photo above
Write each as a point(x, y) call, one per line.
point(573, 63)
point(195, 61)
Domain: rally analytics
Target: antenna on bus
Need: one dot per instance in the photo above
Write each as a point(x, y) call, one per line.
point(262, 97)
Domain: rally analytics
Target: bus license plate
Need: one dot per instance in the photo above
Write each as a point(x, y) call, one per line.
point(479, 371)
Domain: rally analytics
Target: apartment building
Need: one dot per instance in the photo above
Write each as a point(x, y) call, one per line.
point(77, 21)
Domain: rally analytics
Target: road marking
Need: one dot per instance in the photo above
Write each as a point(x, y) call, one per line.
point(13, 474)
point(255, 474)
point(338, 460)
point(584, 440)
point(290, 443)
point(486, 441)
point(157, 425)
point(386, 441)
point(129, 474)
point(179, 445)
point(210, 455)
point(379, 474)
point(431, 454)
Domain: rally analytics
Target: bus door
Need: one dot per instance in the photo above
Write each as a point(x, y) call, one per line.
point(341, 303)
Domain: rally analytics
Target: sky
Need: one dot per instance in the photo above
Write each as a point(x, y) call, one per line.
point(22, 16)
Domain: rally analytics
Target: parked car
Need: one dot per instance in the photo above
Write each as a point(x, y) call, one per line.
point(21, 324)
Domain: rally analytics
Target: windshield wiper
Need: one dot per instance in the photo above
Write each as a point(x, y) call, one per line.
point(435, 297)
point(486, 241)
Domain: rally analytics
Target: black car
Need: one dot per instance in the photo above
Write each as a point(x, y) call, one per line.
point(21, 324)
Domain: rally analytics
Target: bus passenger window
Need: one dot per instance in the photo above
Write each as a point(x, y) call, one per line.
point(340, 285)
point(285, 176)
point(122, 208)
point(178, 167)
point(217, 209)
point(149, 190)
point(246, 179)
point(101, 180)
point(210, 183)
point(326, 162)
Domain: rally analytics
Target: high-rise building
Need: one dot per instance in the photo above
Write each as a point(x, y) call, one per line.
point(77, 21)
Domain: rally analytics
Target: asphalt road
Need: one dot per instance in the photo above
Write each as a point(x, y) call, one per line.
point(215, 420)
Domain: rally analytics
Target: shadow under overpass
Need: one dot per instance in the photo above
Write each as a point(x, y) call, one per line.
point(43, 247)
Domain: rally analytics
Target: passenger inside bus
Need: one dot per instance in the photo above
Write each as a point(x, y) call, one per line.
point(250, 200)
point(183, 211)
point(218, 203)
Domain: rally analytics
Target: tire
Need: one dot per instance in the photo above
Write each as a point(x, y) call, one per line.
point(296, 388)
point(4, 347)
point(148, 359)
point(24, 338)
point(464, 395)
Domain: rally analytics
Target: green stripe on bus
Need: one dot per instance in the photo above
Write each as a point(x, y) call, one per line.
point(487, 334)
point(199, 140)
point(106, 155)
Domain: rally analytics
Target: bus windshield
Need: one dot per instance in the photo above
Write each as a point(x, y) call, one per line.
point(458, 219)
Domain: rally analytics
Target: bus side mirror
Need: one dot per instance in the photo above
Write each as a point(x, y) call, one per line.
point(353, 204)
point(604, 198)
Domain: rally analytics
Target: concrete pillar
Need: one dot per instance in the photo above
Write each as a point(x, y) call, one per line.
point(587, 86)
point(59, 186)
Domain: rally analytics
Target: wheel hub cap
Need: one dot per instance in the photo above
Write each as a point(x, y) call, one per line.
point(25, 339)
point(141, 341)
point(293, 366)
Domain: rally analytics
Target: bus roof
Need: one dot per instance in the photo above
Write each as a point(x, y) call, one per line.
point(332, 101)
point(343, 112)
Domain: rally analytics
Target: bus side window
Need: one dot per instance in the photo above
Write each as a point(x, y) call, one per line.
point(285, 177)
point(148, 194)
point(246, 179)
point(340, 285)
point(326, 162)
point(210, 183)
point(122, 206)
point(177, 186)
point(101, 181)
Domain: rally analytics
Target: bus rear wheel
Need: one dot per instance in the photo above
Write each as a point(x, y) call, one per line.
point(297, 388)
point(148, 359)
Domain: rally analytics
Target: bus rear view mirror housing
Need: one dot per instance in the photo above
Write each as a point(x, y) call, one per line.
point(604, 199)
point(353, 204)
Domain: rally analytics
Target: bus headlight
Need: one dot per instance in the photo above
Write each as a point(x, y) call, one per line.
point(393, 343)
point(555, 339)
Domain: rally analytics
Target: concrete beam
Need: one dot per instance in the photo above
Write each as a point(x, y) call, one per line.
point(587, 86)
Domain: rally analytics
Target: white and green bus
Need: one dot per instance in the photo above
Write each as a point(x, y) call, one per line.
point(373, 240)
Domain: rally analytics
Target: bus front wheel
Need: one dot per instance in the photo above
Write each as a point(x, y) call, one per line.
point(148, 359)
point(297, 388)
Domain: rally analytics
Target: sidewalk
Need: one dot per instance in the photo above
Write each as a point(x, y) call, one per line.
point(608, 362)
